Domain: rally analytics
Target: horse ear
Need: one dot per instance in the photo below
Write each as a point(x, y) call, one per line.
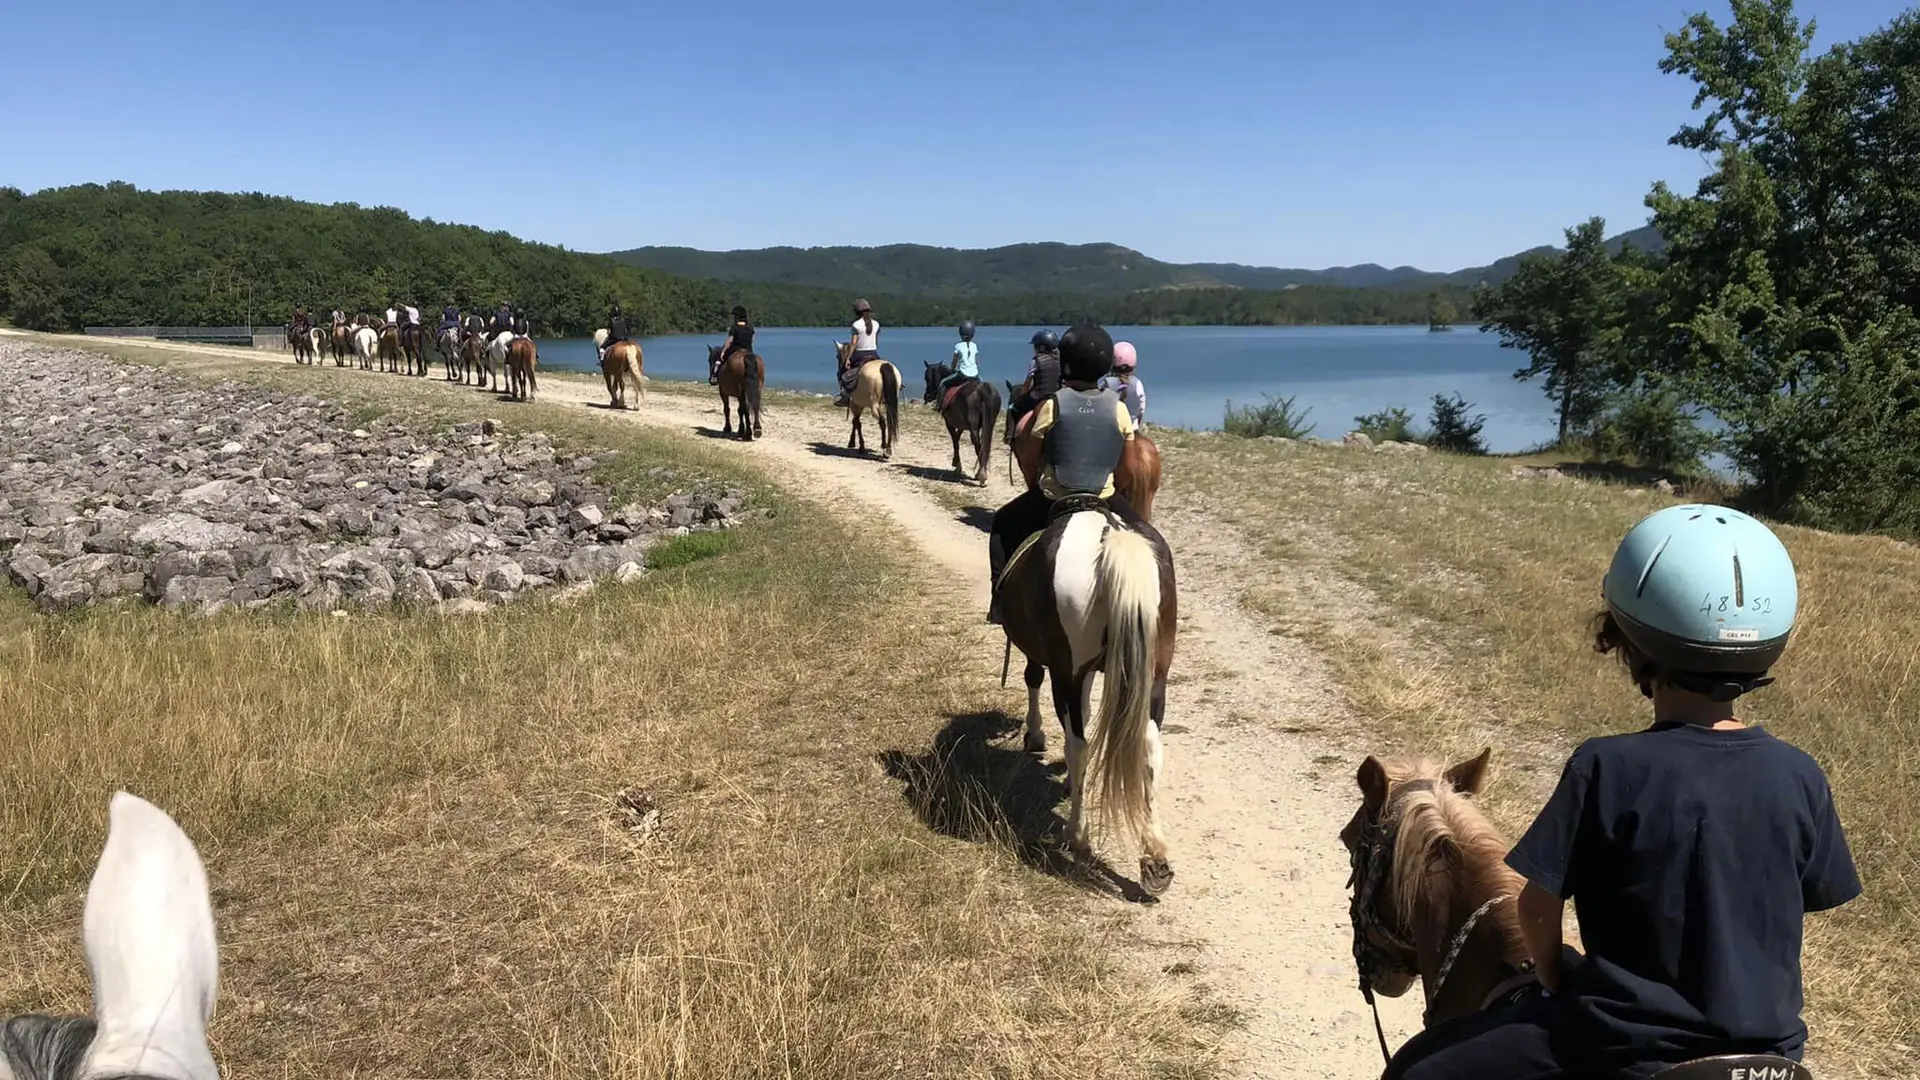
point(1373, 781)
point(1469, 776)
point(151, 949)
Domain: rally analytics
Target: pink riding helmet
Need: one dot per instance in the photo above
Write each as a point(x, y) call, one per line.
point(1123, 355)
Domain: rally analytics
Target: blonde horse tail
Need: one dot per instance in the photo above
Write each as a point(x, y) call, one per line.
point(1128, 572)
point(634, 363)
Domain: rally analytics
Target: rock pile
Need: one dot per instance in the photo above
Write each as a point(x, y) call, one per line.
point(119, 482)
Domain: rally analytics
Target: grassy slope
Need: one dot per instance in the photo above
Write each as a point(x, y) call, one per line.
point(1455, 600)
point(421, 868)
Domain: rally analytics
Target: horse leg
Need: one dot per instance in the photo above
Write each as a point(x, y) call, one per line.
point(1072, 699)
point(1036, 738)
point(726, 414)
point(853, 435)
point(955, 432)
point(1156, 873)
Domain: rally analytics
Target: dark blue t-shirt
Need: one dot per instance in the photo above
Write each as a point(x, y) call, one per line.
point(1691, 856)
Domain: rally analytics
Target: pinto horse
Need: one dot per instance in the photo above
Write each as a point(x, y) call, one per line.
point(301, 338)
point(741, 379)
point(1434, 900)
point(153, 957)
point(877, 384)
point(973, 407)
point(1137, 476)
point(1093, 593)
point(619, 363)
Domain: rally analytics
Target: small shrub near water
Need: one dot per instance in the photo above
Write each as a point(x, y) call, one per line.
point(1276, 417)
point(1452, 431)
point(1388, 425)
point(1653, 428)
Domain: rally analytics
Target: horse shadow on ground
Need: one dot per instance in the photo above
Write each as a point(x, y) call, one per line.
point(943, 476)
point(975, 785)
point(830, 450)
point(979, 517)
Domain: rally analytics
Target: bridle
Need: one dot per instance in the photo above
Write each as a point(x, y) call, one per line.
point(1378, 947)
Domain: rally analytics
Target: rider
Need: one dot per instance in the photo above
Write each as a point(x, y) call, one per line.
point(522, 326)
point(501, 323)
point(1043, 378)
point(966, 361)
point(1083, 432)
point(449, 319)
point(866, 346)
point(1125, 383)
point(1691, 849)
point(739, 339)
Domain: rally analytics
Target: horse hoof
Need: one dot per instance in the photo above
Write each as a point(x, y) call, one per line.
point(1080, 848)
point(1034, 743)
point(1155, 875)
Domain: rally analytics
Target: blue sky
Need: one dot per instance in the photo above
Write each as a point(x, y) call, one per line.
point(1260, 131)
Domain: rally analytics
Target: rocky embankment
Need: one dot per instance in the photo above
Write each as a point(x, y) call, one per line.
point(123, 483)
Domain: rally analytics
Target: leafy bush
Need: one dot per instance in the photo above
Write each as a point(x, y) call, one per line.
point(1388, 425)
point(1277, 417)
point(1654, 427)
point(1452, 431)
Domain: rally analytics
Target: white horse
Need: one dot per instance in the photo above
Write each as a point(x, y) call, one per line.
point(497, 352)
point(154, 960)
point(366, 346)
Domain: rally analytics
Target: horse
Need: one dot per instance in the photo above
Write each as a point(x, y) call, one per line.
point(741, 379)
point(316, 342)
point(390, 348)
point(473, 349)
point(522, 358)
point(1137, 476)
point(623, 361)
point(342, 343)
point(366, 344)
point(973, 407)
point(301, 338)
point(1092, 593)
point(1434, 900)
point(448, 344)
point(152, 955)
point(413, 348)
point(878, 383)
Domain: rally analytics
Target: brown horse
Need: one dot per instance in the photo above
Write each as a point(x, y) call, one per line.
point(413, 348)
point(1137, 477)
point(972, 407)
point(522, 359)
point(621, 362)
point(877, 385)
point(389, 346)
point(1091, 593)
point(342, 343)
point(301, 339)
point(1434, 900)
point(742, 378)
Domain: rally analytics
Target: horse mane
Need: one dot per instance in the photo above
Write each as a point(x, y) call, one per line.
point(1442, 837)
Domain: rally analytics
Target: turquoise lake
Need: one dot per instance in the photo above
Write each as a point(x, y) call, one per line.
point(1190, 372)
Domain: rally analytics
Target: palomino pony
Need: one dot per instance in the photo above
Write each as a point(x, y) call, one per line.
point(972, 407)
point(522, 359)
point(154, 960)
point(1090, 593)
point(618, 364)
point(1434, 900)
point(877, 384)
point(741, 379)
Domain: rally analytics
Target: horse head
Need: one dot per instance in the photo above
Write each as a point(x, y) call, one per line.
point(935, 373)
point(1420, 850)
point(154, 961)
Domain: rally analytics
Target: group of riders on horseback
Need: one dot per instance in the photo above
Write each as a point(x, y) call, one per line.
point(406, 320)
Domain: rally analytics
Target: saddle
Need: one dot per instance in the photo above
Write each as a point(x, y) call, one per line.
point(953, 393)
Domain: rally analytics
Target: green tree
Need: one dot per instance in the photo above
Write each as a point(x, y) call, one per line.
point(1440, 312)
point(33, 290)
point(1568, 312)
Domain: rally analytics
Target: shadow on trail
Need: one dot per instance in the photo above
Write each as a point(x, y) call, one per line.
point(975, 785)
point(830, 450)
point(979, 517)
point(943, 476)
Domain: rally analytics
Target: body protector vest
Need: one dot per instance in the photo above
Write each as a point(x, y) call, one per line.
point(1084, 445)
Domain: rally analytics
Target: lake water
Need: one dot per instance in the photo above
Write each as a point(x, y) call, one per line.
point(1190, 372)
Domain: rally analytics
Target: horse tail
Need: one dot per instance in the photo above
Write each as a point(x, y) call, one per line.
point(890, 393)
point(750, 386)
point(993, 418)
point(634, 363)
point(1128, 575)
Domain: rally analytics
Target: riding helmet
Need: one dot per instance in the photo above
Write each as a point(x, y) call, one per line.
point(966, 330)
point(861, 307)
point(1124, 358)
point(1086, 353)
point(739, 311)
point(1046, 340)
point(1707, 594)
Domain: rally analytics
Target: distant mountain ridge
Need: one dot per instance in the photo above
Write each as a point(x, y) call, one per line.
point(921, 270)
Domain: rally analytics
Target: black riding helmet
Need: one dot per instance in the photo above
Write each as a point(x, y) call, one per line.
point(966, 330)
point(1045, 340)
point(739, 312)
point(1086, 353)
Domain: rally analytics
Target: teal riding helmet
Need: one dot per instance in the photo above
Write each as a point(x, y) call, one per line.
point(1707, 593)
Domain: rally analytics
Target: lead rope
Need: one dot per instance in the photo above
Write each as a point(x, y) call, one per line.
point(1366, 991)
point(1459, 942)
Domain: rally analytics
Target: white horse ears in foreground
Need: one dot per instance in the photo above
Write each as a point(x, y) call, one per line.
point(154, 959)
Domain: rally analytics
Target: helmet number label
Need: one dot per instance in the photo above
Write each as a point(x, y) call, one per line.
point(1759, 605)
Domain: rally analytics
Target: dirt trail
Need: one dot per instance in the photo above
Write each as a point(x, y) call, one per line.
point(1254, 801)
